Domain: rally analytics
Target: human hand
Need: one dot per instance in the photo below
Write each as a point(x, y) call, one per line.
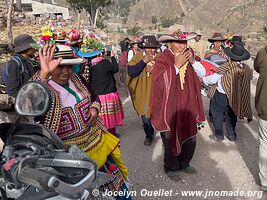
point(93, 114)
point(1, 145)
point(181, 58)
point(150, 66)
point(148, 58)
point(48, 64)
point(192, 57)
point(113, 53)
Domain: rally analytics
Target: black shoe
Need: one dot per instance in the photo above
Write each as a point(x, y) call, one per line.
point(231, 138)
point(148, 141)
point(174, 175)
point(188, 170)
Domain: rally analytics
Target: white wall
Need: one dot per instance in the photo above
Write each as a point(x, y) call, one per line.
point(40, 8)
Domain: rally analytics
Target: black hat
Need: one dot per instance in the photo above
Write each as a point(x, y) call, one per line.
point(237, 38)
point(237, 52)
point(149, 41)
point(23, 42)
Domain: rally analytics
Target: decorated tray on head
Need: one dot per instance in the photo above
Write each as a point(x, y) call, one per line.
point(91, 46)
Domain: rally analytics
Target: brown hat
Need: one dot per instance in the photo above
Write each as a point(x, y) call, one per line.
point(177, 36)
point(149, 41)
point(23, 42)
point(217, 37)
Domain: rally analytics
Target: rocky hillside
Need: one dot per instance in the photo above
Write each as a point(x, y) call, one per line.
point(221, 15)
point(245, 17)
point(145, 10)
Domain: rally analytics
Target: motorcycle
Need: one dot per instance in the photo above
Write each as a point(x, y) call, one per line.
point(36, 163)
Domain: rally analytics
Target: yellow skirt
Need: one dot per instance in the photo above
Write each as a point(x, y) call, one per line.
point(108, 146)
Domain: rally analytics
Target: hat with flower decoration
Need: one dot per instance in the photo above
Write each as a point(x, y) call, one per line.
point(67, 54)
point(75, 36)
point(91, 46)
point(60, 37)
point(46, 37)
point(177, 36)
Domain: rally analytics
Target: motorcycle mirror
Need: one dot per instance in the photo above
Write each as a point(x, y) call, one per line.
point(33, 99)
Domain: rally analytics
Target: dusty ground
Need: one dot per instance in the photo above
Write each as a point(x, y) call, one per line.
point(225, 166)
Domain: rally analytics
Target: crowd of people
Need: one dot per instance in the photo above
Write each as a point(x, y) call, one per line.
point(165, 76)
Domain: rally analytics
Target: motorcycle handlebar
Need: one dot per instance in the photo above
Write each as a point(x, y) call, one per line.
point(34, 177)
point(41, 179)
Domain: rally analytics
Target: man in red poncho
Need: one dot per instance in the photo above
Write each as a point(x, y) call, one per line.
point(176, 104)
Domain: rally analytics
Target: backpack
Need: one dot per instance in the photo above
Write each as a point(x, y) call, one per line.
point(123, 59)
point(5, 72)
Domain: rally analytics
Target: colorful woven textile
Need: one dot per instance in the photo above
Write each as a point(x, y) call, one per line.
point(111, 111)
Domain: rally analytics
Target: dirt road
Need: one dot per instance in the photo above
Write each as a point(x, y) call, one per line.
point(226, 170)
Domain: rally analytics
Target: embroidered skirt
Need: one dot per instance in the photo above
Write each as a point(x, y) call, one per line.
point(117, 184)
point(111, 110)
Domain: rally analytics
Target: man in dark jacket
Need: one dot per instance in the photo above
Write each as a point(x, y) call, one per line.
point(260, 65)
point(20, 69)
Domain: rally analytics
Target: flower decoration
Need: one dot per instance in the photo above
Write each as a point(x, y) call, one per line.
point(229, 37)
point(180, 35)
point(91, 43)
point(74, 35)
point(46, 37)
point(61, 35)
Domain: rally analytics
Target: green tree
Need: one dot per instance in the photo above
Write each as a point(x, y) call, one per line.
point(91, 6)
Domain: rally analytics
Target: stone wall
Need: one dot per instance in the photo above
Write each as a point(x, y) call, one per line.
point(3, 13)
point(22, 18)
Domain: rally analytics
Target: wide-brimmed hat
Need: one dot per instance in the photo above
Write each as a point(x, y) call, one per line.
point(74, 37)
point(217, 37)
point(237, 52)
point(199, 32)
point(23, 42)
point(68, 55)
point(178, 36)
point(91, 46)
point(238, 39)
point(149, 41)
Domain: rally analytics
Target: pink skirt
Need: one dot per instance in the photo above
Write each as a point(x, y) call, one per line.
point(111, 110)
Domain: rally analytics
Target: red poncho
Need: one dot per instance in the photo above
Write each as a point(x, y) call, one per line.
point(173, 109)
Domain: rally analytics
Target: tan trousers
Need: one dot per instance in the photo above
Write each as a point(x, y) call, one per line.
point(263, 152)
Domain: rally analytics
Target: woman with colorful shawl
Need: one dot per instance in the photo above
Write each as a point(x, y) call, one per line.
point(73, 115)
point(102, 81)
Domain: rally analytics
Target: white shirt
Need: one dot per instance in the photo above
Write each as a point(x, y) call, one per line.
point(216, 79)
point(130, 55)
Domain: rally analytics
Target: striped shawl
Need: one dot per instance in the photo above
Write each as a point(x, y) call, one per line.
point(236, 84)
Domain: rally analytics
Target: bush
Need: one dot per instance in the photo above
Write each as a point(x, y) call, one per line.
point(100, 24)
point(265, 29)
point(134, 30)
point(167, 22)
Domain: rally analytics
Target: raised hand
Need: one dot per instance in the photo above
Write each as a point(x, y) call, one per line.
point(181, 58)
point(148, 58)
point(48, 64)
point(192, 56)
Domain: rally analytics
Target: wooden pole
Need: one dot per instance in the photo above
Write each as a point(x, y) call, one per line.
point(96, 17)
point(9, 24)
